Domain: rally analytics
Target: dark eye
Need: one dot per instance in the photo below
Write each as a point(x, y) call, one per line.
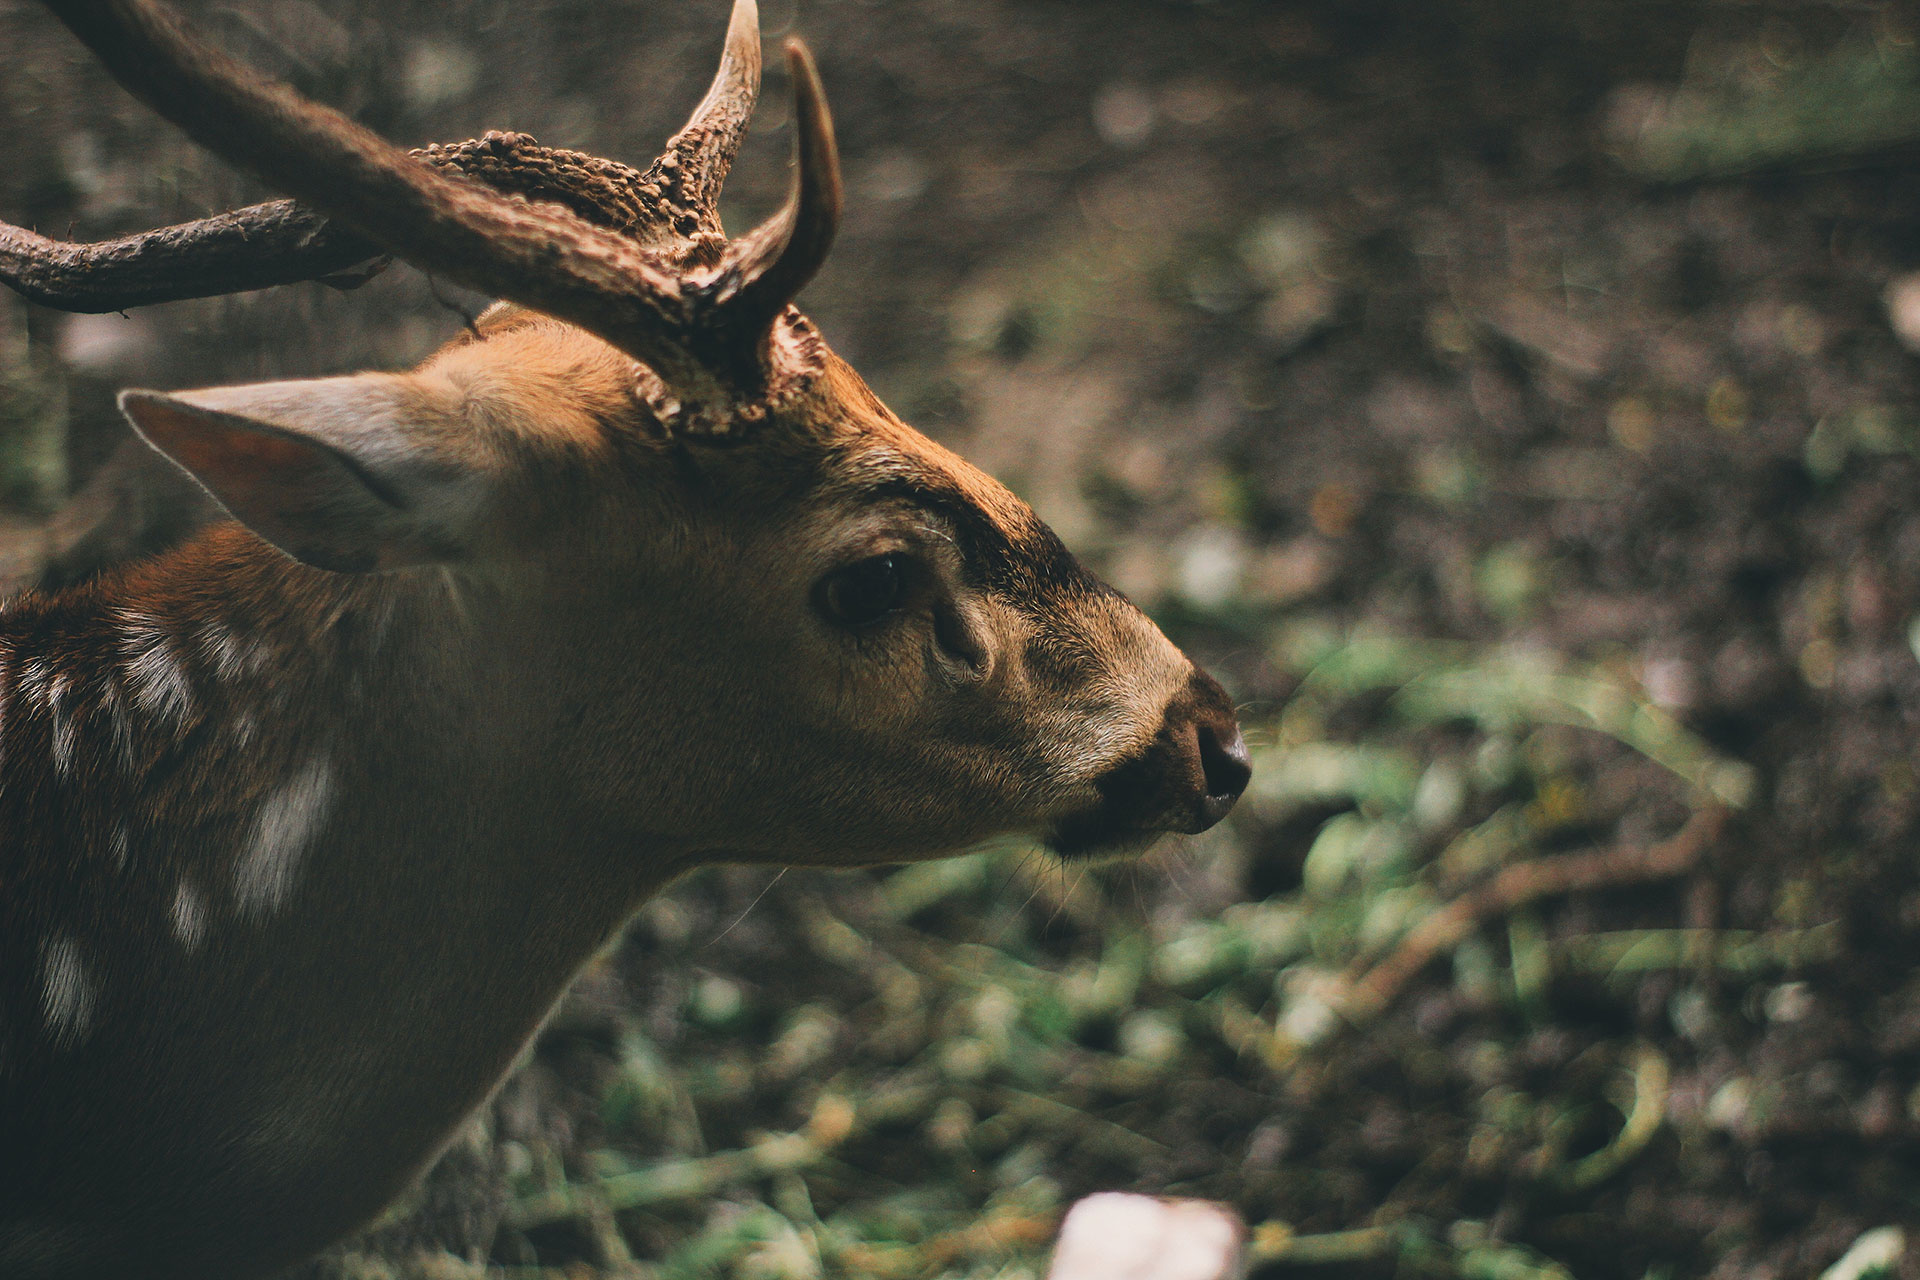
point(864, 593)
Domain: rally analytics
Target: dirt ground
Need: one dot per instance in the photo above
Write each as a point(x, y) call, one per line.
point(1508, 401)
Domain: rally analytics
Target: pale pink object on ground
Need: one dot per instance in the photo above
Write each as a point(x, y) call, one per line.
point(1116, 1236)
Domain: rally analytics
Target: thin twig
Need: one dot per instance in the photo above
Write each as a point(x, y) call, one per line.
point(1370, 993)
point(1276, 1242)
point(694, 1179)
point(1651, 1080)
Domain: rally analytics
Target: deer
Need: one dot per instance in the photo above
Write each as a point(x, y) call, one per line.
point(307, 823)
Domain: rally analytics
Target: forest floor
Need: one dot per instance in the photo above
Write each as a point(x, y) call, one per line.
point(1509, 402)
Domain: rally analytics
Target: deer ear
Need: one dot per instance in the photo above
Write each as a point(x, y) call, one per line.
point(349, 474)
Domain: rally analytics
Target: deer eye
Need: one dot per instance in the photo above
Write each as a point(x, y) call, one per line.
point(863, 593)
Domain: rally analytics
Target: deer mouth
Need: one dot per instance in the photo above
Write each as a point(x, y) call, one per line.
point(1097, 835)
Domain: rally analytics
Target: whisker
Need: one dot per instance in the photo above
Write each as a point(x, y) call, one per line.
point(757, 898)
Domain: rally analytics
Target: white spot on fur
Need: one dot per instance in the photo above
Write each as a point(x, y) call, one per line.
point(117, 719)
point(224, 652)
point(63, 730)
point(189, 916)
point(155, 675)
point(35, 678)
point(288, 820)
point(66, 991)
point(119, 843)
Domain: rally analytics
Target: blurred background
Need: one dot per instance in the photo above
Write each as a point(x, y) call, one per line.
point(1515, 404)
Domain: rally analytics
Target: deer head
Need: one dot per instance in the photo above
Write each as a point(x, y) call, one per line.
point(634, 576)
point(650, 434)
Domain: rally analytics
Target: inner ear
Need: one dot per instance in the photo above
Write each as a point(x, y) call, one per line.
point(339, 473)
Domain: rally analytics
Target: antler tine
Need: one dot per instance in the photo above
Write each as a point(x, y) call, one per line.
point(697, 159)
point(766, 268)
point(537, 255)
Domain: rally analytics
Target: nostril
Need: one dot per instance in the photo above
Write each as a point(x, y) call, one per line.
point(1225, 766)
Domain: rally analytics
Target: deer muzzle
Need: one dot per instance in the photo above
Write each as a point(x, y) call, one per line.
point(1186, 780)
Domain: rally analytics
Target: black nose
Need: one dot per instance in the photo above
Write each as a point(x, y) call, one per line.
point(1224, 764)
point(1215, 769)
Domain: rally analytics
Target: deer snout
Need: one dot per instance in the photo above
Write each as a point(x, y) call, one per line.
point(1186, 780)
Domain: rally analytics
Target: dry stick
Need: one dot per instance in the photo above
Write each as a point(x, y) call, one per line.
point(1368, 995)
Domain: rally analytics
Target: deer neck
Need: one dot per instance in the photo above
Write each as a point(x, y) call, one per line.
point(264, 830)
point(299, 769)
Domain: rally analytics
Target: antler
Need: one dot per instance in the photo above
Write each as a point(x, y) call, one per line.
point(766, 268)
point(697, 158)
point(251, 248)
point(281, 242)
point(659, 287)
